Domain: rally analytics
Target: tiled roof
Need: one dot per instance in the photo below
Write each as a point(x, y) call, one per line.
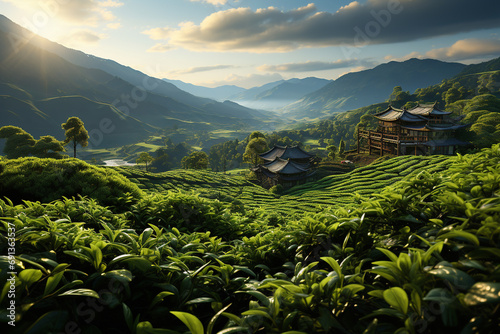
point(282, 166)
point(392, 114)
point(285, 152)
point(427, 109)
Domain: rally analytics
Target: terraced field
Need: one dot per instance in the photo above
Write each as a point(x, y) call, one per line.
point(334, 190)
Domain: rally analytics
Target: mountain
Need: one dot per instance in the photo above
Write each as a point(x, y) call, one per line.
point(140, 80)
point(277, 94)
point(355, 90)
point(491, 65)
point(39, 90)
point(220, 93)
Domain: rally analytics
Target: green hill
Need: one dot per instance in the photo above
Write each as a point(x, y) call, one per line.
point(333, 191)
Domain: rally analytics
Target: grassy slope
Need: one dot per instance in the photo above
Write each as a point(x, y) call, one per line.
point(334, 190)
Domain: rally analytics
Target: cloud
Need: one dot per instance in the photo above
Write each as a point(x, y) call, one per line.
point(245, 81)
point(161, 47)
point(76, 12)
point(114, 25)
point(464, 49)
point(213, 2)
point(356, 24)
point(202, 69)
point(311, 66)
point(79, 37)
point(467, 49)
point(158, 33)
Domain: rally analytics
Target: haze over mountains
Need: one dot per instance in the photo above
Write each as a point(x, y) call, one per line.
point(43, 83)
point(355, 90)
point(310, 98)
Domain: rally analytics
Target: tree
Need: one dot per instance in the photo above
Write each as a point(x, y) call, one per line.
point(341, 148)
point(19, 143)
point(332, 149)
point(196, 160)
point(75, 133)
point(48, 147)
point(144, 157)
point(255, 147)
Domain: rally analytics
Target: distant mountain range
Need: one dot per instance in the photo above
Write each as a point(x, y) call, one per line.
point(43, 83)
point(275, 95)
point(220, 93)
point(271, 96)
point(358, 89)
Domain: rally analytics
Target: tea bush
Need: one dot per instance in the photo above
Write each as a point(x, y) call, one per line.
point(421, 256)
point(46, 180)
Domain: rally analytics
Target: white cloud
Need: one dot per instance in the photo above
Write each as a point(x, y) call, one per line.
point(202, 69)
point(213, 2)
point(114, 25)
point(311, 66)
point(161, 47)
point(461, 50)
point(75, 12)
point(158, 33)
point(372, 22)
point(79, 37)
point(245, 81)
point(467, 49)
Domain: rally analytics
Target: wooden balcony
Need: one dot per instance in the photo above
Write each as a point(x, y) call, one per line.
point(389, 142)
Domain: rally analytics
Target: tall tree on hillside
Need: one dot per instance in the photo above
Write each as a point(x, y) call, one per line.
point(255, 147)
point(75, 133)
point(19, 143)
point(341, 148)
point(146, 158)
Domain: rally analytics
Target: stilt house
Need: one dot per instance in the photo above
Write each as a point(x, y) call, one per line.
point(422, 130)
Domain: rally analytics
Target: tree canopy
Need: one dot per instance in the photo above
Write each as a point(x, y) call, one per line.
point(22, 144)
point(75, 133)
point(146, 158)
point(196, 160)
point(255, 147)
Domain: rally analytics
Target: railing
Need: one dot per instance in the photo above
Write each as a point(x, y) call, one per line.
point(391, 138)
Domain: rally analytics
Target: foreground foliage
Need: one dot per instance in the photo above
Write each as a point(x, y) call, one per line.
point(420, 256)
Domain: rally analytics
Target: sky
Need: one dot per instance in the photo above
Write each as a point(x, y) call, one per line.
point(252, 42)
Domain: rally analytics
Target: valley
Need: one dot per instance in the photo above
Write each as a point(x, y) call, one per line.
point(140, 203)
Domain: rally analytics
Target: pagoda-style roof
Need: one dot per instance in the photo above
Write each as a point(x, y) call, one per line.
point(392, 114)
point(285, 153)
point(427, 109)
point(282, 166)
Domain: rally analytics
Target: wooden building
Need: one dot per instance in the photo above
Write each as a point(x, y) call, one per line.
point(422, 130)
point(285, 165)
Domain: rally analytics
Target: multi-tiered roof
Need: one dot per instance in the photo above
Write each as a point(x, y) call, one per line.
point(285, 164)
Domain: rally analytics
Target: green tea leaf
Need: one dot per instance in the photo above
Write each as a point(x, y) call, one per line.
point(192, 322)
point(30, 276)
point(461, 235)
point(483, 293)
point(397, 298)
point(81, 292)
point(455, 276)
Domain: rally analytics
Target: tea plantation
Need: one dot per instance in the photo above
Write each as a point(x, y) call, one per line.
point(335, 191)
point(408, 245)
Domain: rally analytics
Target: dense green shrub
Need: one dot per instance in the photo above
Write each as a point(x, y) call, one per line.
point(420, 256)
point(45, 180)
